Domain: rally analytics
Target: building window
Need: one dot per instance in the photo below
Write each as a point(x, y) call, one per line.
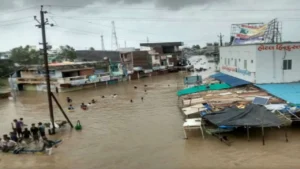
point(245, 64)
point(239, 60)
point(287, 64)
point(235, 63)
point(228, 62)
point(156, 57)
point(251, 61)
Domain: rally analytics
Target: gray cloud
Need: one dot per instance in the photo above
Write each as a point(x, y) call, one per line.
point(168, 4)
point(178, 4)
point(6, 4)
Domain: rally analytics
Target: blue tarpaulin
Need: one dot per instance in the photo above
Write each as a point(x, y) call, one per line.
point(289, 92)
point(230, 80)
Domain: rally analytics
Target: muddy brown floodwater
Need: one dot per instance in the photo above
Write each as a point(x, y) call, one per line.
point(118, 134)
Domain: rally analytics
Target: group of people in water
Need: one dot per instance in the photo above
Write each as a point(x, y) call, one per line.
point(82, 106)
point(21, 136)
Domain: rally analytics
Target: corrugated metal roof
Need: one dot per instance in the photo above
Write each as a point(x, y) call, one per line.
point(289, 92)
point(232, 81)
point(202, 88)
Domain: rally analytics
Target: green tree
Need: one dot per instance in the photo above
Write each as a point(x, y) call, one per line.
point(91, 48)
point(196, 47)
point(67, 53)
point(26, 55)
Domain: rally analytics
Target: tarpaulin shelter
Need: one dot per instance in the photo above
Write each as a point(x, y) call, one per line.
point(253, 115)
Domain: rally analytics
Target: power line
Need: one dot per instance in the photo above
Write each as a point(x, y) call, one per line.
point(17, 19)
point(18, 10)
point(186, 19)
point(163, 9)
point(17, 23)
point(78, 30)
point(109, 26)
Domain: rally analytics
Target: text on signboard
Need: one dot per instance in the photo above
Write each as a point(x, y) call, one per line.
point(278, 47)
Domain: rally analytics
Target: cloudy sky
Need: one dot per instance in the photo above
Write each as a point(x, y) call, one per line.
point(80, 23)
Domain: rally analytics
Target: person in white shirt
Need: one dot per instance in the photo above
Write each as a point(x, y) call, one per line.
point(8, 145)
point(11, 144)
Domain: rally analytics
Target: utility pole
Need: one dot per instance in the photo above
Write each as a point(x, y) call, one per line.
point(125, 44)
point(102, 43)
point(221, 39)
point(147, 39)
point(42, 24)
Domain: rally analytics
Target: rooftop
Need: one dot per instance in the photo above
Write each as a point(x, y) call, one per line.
point(289, 92)
point(162, 44)
point(97, 55)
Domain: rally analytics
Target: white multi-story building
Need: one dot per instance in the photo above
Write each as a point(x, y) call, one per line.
point(262, 63)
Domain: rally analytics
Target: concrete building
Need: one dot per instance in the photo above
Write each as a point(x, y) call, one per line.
point(5, 55)
point(262, 63)
point(137, 63)
point(165, 55)
point(113, 58)
point(63, 76)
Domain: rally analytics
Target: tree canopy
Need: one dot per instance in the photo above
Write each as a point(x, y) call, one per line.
point(196, 47)
point(67, 53)
point(92, 48)
point(6, 67)
point(26, 55)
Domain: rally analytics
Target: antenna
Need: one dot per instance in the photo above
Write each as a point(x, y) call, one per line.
point(114, 38)
point(221, 39)
point(102, 42)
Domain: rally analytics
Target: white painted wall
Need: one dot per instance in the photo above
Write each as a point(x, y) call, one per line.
point(58, 74)
point(270, 63)
point(155, 61)
point(233, 58)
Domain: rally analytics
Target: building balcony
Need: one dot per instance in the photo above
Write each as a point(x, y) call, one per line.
point(73, 80)
point(34, 80)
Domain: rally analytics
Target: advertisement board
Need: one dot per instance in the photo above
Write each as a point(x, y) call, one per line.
point(248, 34)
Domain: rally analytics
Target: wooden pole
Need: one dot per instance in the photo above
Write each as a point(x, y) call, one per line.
point(62, 110)
point(263, 135)
point(285, 134)
point(248, 135)
point(45, 48)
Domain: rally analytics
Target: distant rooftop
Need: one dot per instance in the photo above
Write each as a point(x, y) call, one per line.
point(97, 55)
point(162, 44)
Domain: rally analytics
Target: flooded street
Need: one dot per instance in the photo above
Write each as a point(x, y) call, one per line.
point(118, 134)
